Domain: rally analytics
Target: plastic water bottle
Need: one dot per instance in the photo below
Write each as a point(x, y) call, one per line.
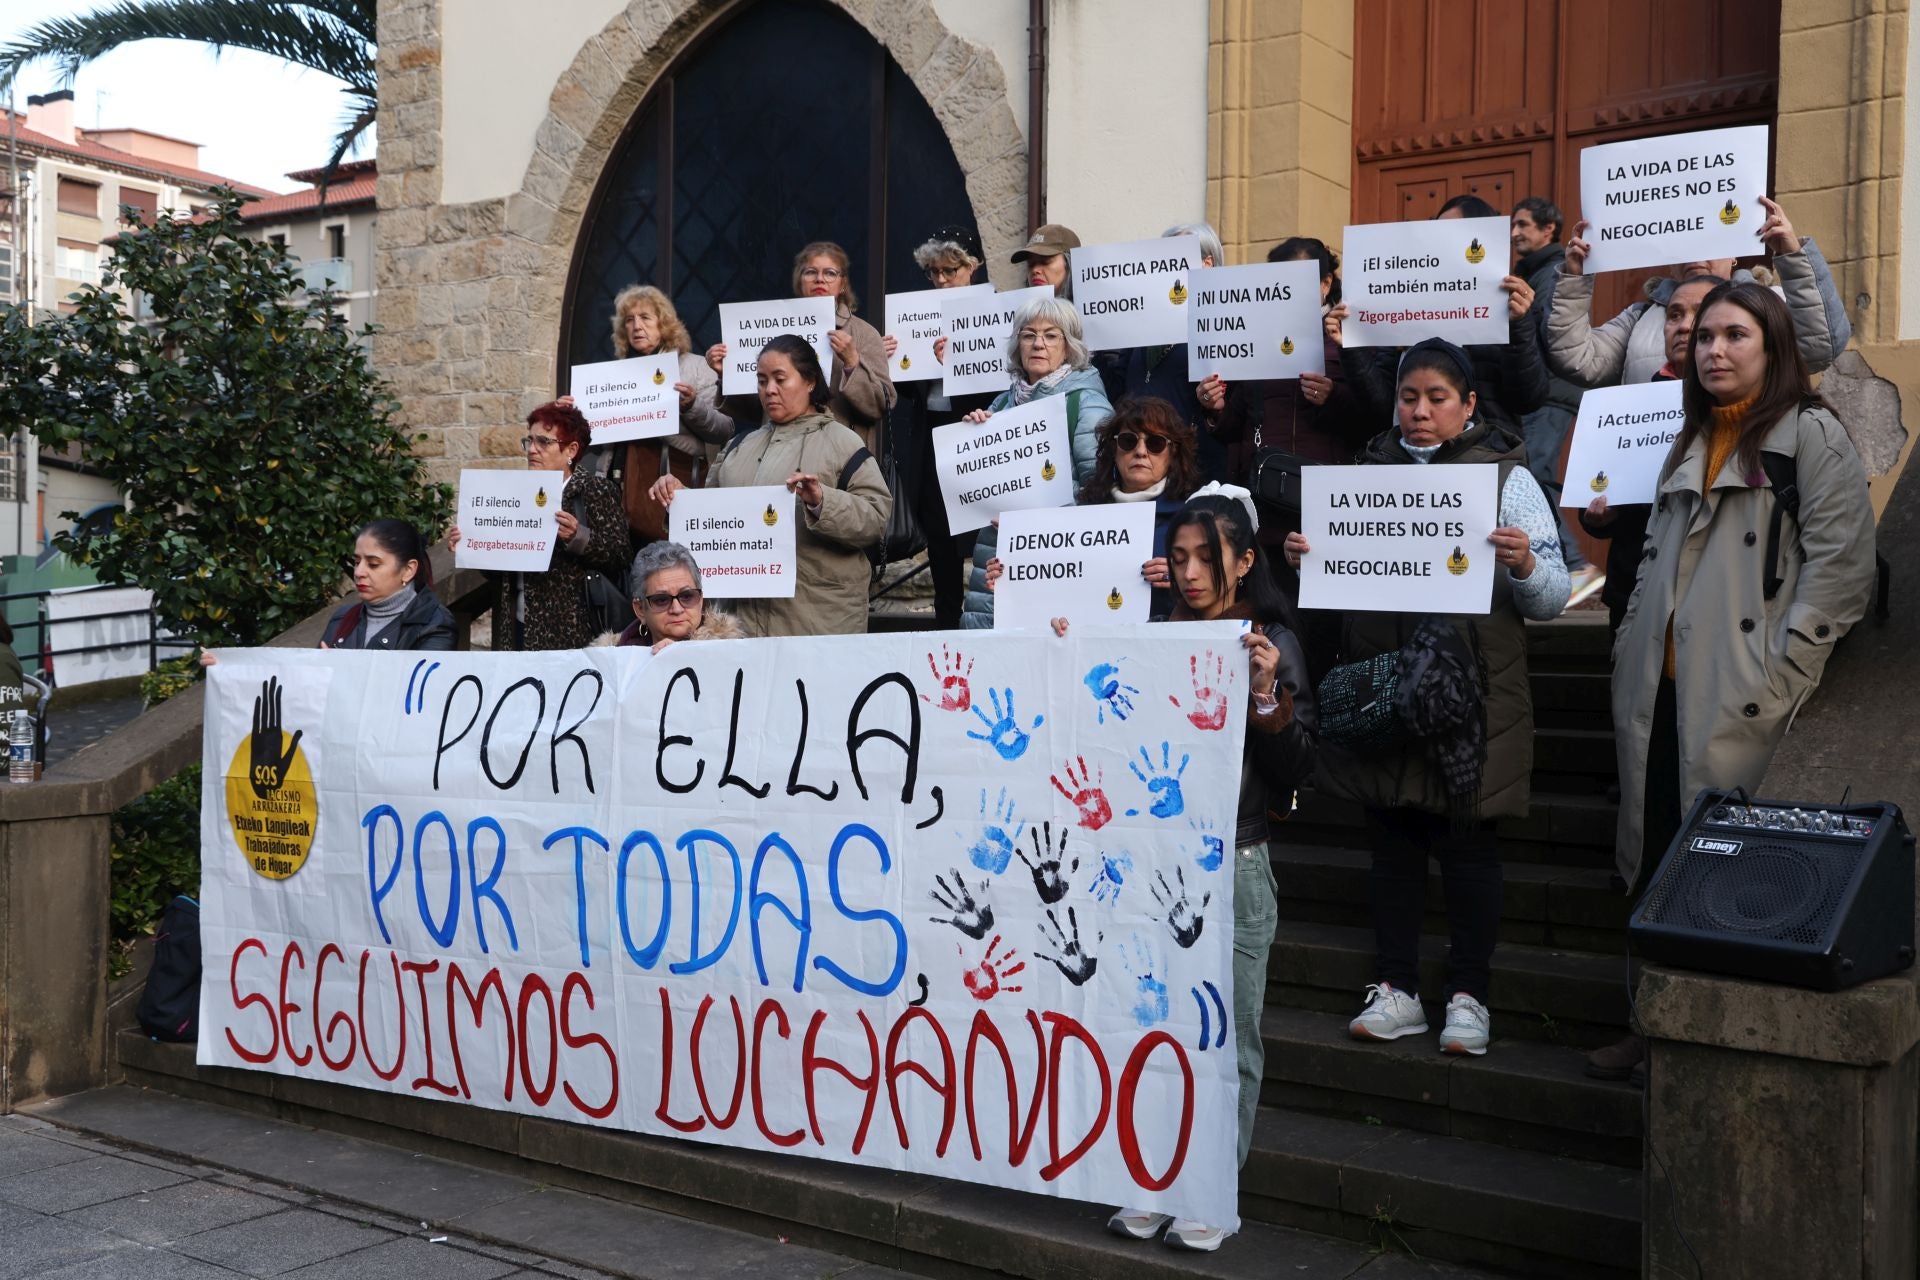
point(20, 748)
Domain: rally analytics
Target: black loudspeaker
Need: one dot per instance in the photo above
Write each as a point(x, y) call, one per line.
point(1796, 894)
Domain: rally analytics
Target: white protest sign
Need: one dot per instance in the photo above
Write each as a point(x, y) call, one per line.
point(1687, 197)
point(1399, 539)
point(1434, 279)
point(803, 849)
point(1018, 458)
point(1078, 563)
point(1135, 294)
point(506, 519)
point(978, 327)
point(630, 399)
point(914, 321)
point(742, 538)
point(1257, 321)
point(748, 326)
point(1620, 441)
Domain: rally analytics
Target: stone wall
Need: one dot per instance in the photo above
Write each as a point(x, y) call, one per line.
point(471, 294)
point(1279, 122)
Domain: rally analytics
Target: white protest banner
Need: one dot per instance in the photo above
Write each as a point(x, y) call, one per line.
point(1257, 321)
point(506, 519)
point(742, 538)
point(1620, 441)
point(1405, 539)
point(1687, 197)
point(1078, 563)
point(99, 634)
point(1438, 278)
point(914, 321)
point(748, 326)
point(1019, 458)
point(423, 875)
point(630, 399)
point(978, 327)
point(1135, 294)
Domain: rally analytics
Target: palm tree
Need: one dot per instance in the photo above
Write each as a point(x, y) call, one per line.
point(334, 37)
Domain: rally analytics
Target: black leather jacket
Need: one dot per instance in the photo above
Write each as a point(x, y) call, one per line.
point(424, 624)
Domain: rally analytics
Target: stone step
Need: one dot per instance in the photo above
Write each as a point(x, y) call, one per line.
point(1522, 1093)
point(930, 1226)
point(1445, 1197)
point(1585, 753)
point(1544, 904)
point(1539, 993)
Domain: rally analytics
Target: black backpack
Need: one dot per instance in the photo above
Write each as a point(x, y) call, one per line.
point(1784, 477)
point(170, 1006)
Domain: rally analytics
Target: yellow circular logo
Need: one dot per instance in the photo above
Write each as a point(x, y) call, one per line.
point(1047, 472)
point(905, 363)
point(770, 516)
point(1457, 562)
point(1286, 346)
point(659, 377)
point(1599, 483)
point(1476, 253)
point(1177, 294)
point(1113, 599)
point(540, 498)
point(1730, 214)
point(272, 803)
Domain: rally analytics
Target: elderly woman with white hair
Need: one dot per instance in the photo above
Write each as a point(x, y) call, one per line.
point(1047, 355)
point(1162, 371)
point(669, 603)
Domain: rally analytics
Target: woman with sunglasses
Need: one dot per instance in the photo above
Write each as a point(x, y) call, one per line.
point(549, 610)
point(668, 602)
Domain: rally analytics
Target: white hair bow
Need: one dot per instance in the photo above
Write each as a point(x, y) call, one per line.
point(1214, 489)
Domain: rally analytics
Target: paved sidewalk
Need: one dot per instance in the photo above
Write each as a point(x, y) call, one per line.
point(282, 1200)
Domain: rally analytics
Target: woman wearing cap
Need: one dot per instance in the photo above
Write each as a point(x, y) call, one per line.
point(1463, 751)
point(860, 392)
point(669, 602)
point(1049, 258)
point(951, 258)
point(1047, 353)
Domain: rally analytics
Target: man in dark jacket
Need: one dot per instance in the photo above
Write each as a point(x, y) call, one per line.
point(1537, 253)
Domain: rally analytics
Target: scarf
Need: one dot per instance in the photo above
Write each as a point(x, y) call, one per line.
point(1442, 699)
point(1024, 391)
point(377, 615)
point(1147, 494)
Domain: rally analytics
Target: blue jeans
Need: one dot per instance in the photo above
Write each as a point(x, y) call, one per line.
point(1256, 911)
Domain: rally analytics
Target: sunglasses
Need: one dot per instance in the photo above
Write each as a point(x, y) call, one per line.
point(687, 596)
point(1130, 440)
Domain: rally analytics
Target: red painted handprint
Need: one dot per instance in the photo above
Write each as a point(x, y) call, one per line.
point(955, 693)
point(1209, 709)
point(989, 978)
point(1083, 789)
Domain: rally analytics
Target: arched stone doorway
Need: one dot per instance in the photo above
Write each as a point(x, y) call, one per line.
point(779, 124)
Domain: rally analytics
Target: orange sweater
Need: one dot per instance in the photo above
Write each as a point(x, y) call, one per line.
point(1725, 433)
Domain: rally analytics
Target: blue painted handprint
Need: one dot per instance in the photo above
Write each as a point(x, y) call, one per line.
point(1163, 783)
point(1114, 870)
point(992, 849)
point(1004, 733)
point(1110, 696)
point(1150, 1003)
point(1213, 850)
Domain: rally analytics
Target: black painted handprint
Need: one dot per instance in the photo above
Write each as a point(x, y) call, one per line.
point(1184, 920)
point(970, 917)
point(1049, 881)
point(1067, 955)
point(267, 763)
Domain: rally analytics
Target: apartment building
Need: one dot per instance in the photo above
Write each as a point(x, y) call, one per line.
point(330, 233)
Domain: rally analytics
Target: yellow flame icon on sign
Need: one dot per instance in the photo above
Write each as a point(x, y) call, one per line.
point(906, 362)
point(540, 498)
point(1476, 252)
point(1177, 294)
point(1599, 483)
point(1286, 346)
point(1730, 213)
point(770, 517)
point(1047, 472)
point(1457, 562)
point(659, 377)
point(1113, 599)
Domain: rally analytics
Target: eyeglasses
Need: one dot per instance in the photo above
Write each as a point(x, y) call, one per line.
point(1130, 440)
point(947, 273)
point(543, 442)
point(687, 597)
point(822, 273)
point(1041, 337)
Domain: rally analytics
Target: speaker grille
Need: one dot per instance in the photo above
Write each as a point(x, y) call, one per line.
point(1785, 893)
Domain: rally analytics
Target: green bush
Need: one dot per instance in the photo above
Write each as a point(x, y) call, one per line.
point(170, 677)
point(156, 855)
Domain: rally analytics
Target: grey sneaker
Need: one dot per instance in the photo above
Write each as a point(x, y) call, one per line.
point(1137, 1224)
point(1390, 1014)
point(1197, 1237)
point(1468, 1026)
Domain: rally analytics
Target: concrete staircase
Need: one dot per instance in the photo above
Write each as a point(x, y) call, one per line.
point(1378, 1161)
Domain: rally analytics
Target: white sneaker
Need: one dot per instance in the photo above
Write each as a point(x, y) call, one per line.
point(1390, 1014)
point(1585, 582)
point(1467, 1026)
point(1198, 1237)
point(1138, 1224)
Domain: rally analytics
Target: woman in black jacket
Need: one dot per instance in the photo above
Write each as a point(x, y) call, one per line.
point(394, 605)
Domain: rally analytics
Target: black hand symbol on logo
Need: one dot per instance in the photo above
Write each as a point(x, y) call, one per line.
point(267, 763)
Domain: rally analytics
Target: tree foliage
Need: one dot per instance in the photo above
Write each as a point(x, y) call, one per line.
point(239, 417)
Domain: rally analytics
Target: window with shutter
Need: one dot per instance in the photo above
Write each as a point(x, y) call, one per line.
point(79, 197)
point(145, 203)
